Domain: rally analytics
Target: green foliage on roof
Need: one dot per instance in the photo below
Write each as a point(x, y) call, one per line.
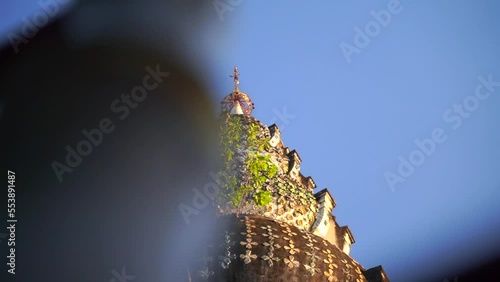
point(246, 168)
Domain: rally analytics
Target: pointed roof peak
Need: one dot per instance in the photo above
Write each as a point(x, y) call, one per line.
point(236, 79)
point(237, 102)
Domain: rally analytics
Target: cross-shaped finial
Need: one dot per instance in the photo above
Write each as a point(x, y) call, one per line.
point(236, 78)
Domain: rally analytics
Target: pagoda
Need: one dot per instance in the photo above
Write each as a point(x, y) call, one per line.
point(271, 226)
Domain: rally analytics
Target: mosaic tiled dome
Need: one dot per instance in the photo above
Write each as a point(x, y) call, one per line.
point(255, 248)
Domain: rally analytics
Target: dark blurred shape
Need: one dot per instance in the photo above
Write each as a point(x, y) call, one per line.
point(376, 274)
point(487, 272)
point(115, 215)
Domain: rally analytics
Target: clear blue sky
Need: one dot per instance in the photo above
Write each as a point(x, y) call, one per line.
point(353, 120)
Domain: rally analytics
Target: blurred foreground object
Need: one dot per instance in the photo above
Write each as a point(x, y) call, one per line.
point(108, 130)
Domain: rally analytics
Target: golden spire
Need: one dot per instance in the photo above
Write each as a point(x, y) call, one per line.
point(237, 102)
point(235, 76)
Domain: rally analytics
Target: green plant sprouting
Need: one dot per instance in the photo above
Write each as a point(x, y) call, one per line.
point(246, 168)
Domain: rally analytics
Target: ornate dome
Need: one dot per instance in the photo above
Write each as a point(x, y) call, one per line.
point(271, 226)
point(255, 248)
